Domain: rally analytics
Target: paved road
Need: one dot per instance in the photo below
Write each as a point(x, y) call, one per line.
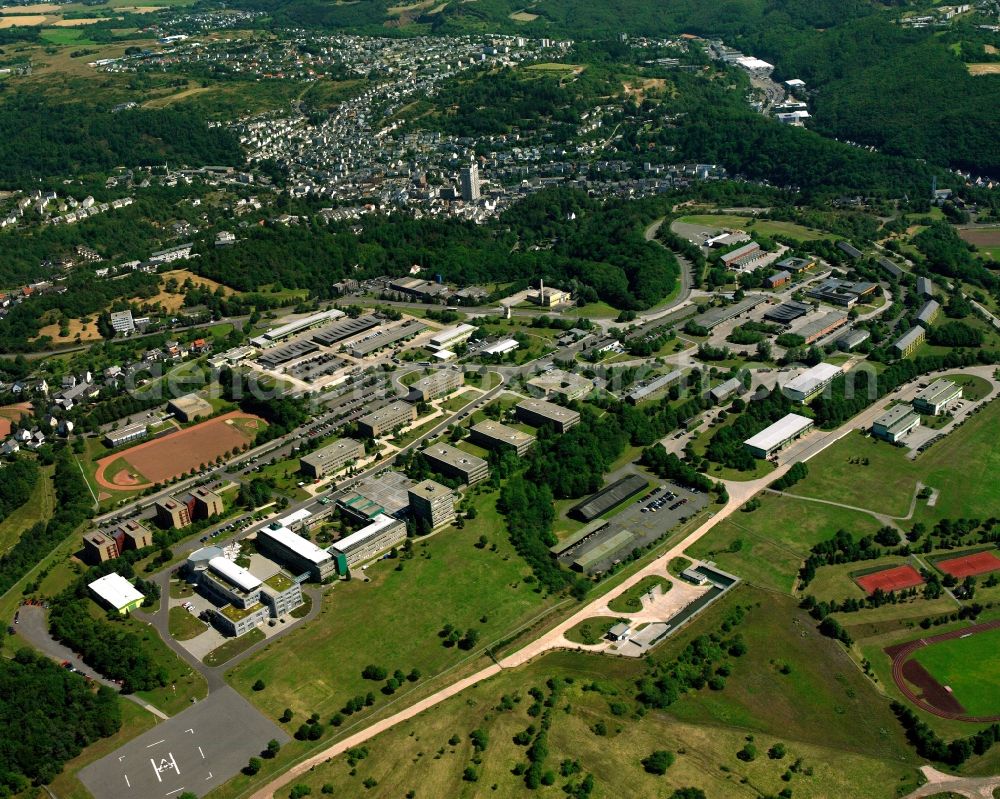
point(195, 751)
point(33, 627)
point(739, 492)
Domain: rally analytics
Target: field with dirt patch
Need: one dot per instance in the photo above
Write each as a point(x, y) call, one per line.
point(171, 456)
point(983, 237)
point(984, 69)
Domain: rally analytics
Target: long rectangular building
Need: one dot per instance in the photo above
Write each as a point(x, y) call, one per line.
point(331, 458)
point(811, 382)
point(536, 412)
point(126, 435)
point(298, 554)
point(450, 336)
point(286, 330)
point(821, 326)
point(459, 464)
point(385, 420)
point(909, 341)
point(383, 337)
point(345, 328)
point(383, 533)
point(775, 436)
point(437, 384)
point(607, 498)
point(493, 435)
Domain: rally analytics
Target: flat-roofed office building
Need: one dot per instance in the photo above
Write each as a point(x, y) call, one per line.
point(298, 554)
point(454, 462)
point(385, 420)
point(383, 533)
point(895, 423)
point(493, 435)
point(331, 458)
point(936, 397)
point(436, 384)
point(536, 413)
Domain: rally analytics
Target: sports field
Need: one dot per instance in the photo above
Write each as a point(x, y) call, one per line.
point(177, 453)
point(894, 579)
point(970, 565)
point(970, 668)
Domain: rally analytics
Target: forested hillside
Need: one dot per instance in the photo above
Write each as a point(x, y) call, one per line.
point(40, 139)
point(48, 715)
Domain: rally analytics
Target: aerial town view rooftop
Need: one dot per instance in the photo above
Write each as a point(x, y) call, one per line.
point(499, 399)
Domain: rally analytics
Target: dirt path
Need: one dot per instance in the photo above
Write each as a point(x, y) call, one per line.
point(939, 782)
point(739, 493)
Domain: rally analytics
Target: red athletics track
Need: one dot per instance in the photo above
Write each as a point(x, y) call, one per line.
point(894, 579)
point(968, 565)
point(901, 653)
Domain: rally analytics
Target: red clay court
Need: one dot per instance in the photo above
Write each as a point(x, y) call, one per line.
point(970, 565)
point(894, 579)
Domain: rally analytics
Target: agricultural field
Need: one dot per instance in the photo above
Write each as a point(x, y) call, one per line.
point(766, 547)
point(961, 467)
point(175, 454)
point(846, 740)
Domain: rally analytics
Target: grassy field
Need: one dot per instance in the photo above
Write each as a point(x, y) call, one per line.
point(973, 388)
point(767, 546)
point(184, 625)
point(594, 729)
point(456, 582)
point(962, 467)
point(38, 508)
point(135, 721)
point(969, 667)
point(766, 227)
point(232, 647)
point(183, 683)
point(592, 630)
point(630, 601)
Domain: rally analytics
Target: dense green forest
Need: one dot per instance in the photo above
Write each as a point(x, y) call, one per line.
point(41, 139)
point(18, 480)
point(47, 716)
point(72, 508)
point(602, 252)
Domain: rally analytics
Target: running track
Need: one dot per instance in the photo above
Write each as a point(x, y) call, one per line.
point(902, 655)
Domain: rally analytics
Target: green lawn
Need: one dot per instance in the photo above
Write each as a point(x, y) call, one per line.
point(455, 582)
point(232, 647)
point(183, 683)
point(38, 508)
point(592, 630)
point(630, 601)
point(764, 226)
point(184, 625)
point(973, 388)
point(962, 467)
point(767, 546)
point(968, 666)
point(833, 721)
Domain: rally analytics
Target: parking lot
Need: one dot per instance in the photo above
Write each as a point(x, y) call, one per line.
point(649, 517)
point(195, 751)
